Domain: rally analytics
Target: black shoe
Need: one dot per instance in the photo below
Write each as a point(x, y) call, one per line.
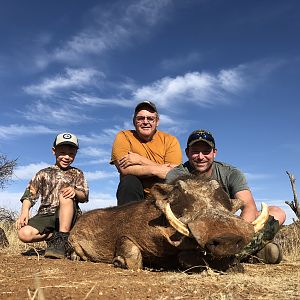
point(56, 245)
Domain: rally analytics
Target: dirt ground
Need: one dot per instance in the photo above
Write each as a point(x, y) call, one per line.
point(34, 277)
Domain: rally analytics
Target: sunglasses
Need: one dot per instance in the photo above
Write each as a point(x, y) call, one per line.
point(141, 119)
point(201, 135)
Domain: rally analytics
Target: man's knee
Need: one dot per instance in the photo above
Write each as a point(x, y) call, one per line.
point(130, 189)
point(278, 214)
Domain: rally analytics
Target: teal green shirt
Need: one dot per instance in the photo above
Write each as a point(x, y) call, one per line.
point(230, 178)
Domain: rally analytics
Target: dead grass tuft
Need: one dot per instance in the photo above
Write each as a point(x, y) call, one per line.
point(7, 223)
point(289, 240)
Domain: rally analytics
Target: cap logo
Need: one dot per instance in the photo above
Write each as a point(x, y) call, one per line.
point(67, 136)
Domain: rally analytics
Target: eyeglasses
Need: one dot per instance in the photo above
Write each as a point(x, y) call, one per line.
point(201, 135)
point(141, 119)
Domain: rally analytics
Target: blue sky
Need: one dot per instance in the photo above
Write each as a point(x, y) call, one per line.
point(231, 67)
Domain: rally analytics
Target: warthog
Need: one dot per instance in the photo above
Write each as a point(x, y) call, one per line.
point(3, 239)
point(188, 223)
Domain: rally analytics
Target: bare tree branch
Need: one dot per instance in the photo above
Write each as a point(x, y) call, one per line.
point(294, 205)
point(6, 170)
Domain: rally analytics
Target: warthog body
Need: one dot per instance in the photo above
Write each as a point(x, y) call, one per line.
point(139, 233)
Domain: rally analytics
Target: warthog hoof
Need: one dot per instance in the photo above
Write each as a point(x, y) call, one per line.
point(74, 256)
point(119, 262)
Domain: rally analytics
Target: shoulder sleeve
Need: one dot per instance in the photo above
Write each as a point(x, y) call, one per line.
point(32, 191)
point(120, 147)
point(237, 181)
point(81, 184)
point(175, 173)
point(173, 151)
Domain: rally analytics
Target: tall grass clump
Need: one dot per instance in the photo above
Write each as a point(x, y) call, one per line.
point(289, 240)
point(7, 223)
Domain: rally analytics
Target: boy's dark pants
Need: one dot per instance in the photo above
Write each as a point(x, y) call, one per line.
point(50, 222)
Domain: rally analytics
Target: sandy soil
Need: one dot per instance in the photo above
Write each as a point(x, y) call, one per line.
point(34, 277)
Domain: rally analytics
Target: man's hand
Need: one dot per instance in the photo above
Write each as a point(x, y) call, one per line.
point(135, 164)
point(130, 159)
point(162, 170)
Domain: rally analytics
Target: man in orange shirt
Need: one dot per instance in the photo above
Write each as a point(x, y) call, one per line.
point(143, 156)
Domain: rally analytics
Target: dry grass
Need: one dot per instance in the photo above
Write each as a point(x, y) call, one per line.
point(15, 245)
point(289, 240)
point(7, 223)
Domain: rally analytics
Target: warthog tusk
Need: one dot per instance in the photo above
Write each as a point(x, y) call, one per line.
point(260, 221)
point(176, 223)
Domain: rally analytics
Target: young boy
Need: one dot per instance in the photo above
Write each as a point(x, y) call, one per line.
point(60, 188)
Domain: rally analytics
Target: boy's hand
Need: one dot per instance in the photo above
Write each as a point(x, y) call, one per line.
point(22, 220)
point(68, 192)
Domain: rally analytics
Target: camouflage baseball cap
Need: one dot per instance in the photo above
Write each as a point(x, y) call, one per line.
point(143, 104)
point(66, 138)
point(201, 135)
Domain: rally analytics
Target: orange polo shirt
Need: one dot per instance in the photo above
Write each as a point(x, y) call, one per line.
point(162, 149)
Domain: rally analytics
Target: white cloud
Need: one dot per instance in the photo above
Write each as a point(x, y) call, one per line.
point(17, 130)
point(98, 101)
point(93, 152)
point(10, 201)
point(107, 137)
point(231, 80)
point(90, 176)
point(200, 88)
point(90, 162)
point(166, 120)
point(27, 172)
point(113, 28)
point(54, 114)
point(73, 78)
point(99, 200)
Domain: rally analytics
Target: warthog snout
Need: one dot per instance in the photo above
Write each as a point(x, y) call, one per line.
point(224, 245)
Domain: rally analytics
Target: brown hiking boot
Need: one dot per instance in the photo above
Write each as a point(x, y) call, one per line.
point(270, 254)
point(56, 245)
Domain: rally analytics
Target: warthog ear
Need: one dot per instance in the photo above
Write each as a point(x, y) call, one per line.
point(160, 192)
point(215, 184)
point(182, 186)
point(236, 204)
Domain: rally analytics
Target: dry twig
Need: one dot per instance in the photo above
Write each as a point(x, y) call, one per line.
point(40, 293)
point(294, 205)
point(37, 253)
point(87, 295)
point(6, 170)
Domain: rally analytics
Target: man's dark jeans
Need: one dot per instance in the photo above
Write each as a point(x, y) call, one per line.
point(130, 189)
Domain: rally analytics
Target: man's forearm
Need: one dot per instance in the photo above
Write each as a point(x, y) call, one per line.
point(157, 170)
point(249, 214)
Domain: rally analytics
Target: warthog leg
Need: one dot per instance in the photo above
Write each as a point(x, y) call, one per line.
point(74, 256)
point(127, 254)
